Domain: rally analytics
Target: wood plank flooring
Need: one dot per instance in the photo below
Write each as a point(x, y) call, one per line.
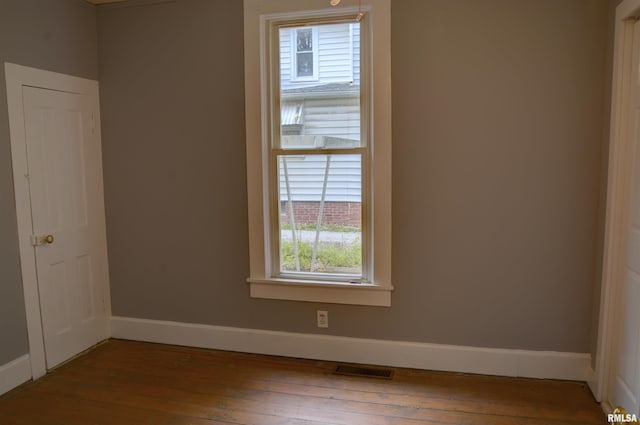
point(133, 383)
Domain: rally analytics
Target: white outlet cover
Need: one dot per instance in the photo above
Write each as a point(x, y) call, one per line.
point(323, 319)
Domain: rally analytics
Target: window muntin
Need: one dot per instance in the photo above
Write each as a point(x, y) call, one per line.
point(318, 159)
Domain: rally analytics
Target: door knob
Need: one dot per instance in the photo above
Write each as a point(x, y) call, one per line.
point(41, 240)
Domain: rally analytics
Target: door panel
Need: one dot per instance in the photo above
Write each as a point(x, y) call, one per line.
point(59, 145)
point(625, 380)
point(628, 360)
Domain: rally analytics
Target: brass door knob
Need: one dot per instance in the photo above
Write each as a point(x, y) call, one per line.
point(48, 239)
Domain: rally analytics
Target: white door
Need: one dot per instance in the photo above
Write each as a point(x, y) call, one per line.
point(624, 388)
point(64, 183)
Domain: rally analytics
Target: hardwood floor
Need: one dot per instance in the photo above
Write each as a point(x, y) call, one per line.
point(133, 383)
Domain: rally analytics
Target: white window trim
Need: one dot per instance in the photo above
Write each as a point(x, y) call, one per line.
point(256, 13)
point(294, 56)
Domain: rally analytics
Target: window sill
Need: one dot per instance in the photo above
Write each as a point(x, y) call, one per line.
point(325, 292)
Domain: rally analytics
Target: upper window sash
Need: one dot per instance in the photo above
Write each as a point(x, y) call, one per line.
point(274, 94)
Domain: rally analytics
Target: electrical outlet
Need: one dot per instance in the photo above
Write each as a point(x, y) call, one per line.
point(323, 319)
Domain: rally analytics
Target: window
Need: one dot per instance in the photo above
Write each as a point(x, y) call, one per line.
point(319, 199)
point(318, 165)
point(304, 42)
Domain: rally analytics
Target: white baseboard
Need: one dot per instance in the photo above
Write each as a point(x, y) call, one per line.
point(594, 384)
point(14, 373)
point(488, 361)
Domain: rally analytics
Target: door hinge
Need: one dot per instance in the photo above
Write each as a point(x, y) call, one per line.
point(93, 123)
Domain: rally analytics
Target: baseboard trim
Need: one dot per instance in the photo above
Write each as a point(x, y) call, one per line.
point(594, 385)
point(15, 373)
point(487, 361)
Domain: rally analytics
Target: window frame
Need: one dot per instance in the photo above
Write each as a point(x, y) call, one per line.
point(260, 16)
point(294, 56)
point(273, 75)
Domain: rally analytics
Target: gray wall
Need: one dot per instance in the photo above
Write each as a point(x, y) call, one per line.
point(58, 36)
point(498, 113)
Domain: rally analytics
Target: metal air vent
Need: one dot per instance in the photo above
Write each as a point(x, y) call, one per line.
point(365, 372)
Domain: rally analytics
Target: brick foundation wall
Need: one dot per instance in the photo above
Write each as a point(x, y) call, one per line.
point(340, 213)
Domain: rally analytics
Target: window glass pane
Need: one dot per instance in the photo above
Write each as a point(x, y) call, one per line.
point(320, 214)
point(320, 87)
point(304, 39)
point(305, 64)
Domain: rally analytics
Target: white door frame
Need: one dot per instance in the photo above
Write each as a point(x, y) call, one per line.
point(18, 76)
point(618, 197)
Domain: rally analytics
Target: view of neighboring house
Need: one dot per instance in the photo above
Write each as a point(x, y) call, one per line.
point(320, 107)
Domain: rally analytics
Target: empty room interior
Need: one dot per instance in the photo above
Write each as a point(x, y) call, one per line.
point(482, 239)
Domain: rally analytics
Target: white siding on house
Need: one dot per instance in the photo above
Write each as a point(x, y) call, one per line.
point(332, 117)
point(306, 178)
point(285, 58)
point(334, 53)
point(323, 117)
point(355, 51)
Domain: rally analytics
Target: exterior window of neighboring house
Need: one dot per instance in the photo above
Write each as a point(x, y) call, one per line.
point(305, 53)
point(319, 199)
